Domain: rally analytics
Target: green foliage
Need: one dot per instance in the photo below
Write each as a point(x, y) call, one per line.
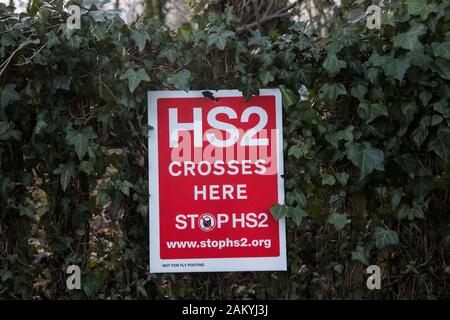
point(410, 39)
point(385, 238)
point(333, 65)
point(330, 91)
point(360, 255)
point(365, 157)
point(339, 220)
point(366, 143)
point(420, 7)
point(8, 95)
point(180, 80)
point(80, 140)
point(295, 213)
point(219, 39)
point(135, 78)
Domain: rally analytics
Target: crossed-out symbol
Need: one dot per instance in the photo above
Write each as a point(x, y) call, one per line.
point(207, 222)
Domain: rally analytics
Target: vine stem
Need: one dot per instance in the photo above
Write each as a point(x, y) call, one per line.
point(279, 14)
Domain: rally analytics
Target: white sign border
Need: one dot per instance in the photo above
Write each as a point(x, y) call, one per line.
point(210, 264)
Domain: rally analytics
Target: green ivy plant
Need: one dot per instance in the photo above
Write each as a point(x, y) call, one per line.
point(367, 149)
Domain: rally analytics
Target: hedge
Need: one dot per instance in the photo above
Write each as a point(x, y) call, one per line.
point(366, 143)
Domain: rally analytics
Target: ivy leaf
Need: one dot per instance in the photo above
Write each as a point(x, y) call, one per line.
point(425, 97)
point(342, 177)
point(385, 238)
point(296, 196)
point(4, 127)
point(372, 74)
point(184, 32)
point(220, 39)
point(62, 82)
point(441, 49)
point(297, 214)
point(103, 197)
point(125, 187)
point(441, 145)
point(301, 199)
point(332, 138)
point(328, 179)
point(420, 134)
point(140, 38)
point(346, 134)
point(442, 107)
point(408, 111)
point(258, 39)
point(360, 255)
point(278, 211)
point(396, 197)
point(409, 164)
point(289, 97)
point(365, 157)
point(330, 91)
point(436, 119)
point(410, 39)
point(298, 150)
point(87, 166)
point(66, 172)
point(180, 80)
point(396, 67)
point(411, 213)
point(305, 74)
point(267, 59)
point(41, 124)
point(7, 131)
point(8, 95)
point(287, 56)
point(377, 60)
point(92, 282)
point(419, 58)
point(135, 78)
point(170, 54)
point(266, 77)
point(442, 67)
point(359, 91)
point(420, 7)
point(342, 38)
point(339, 220)
point(371, 111)
point(333, 65)
point(228, 15)
point(80, 140)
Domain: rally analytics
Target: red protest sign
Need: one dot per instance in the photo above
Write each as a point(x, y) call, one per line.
point(215, 169)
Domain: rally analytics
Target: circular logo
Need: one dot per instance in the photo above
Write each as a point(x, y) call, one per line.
point(207, 222)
